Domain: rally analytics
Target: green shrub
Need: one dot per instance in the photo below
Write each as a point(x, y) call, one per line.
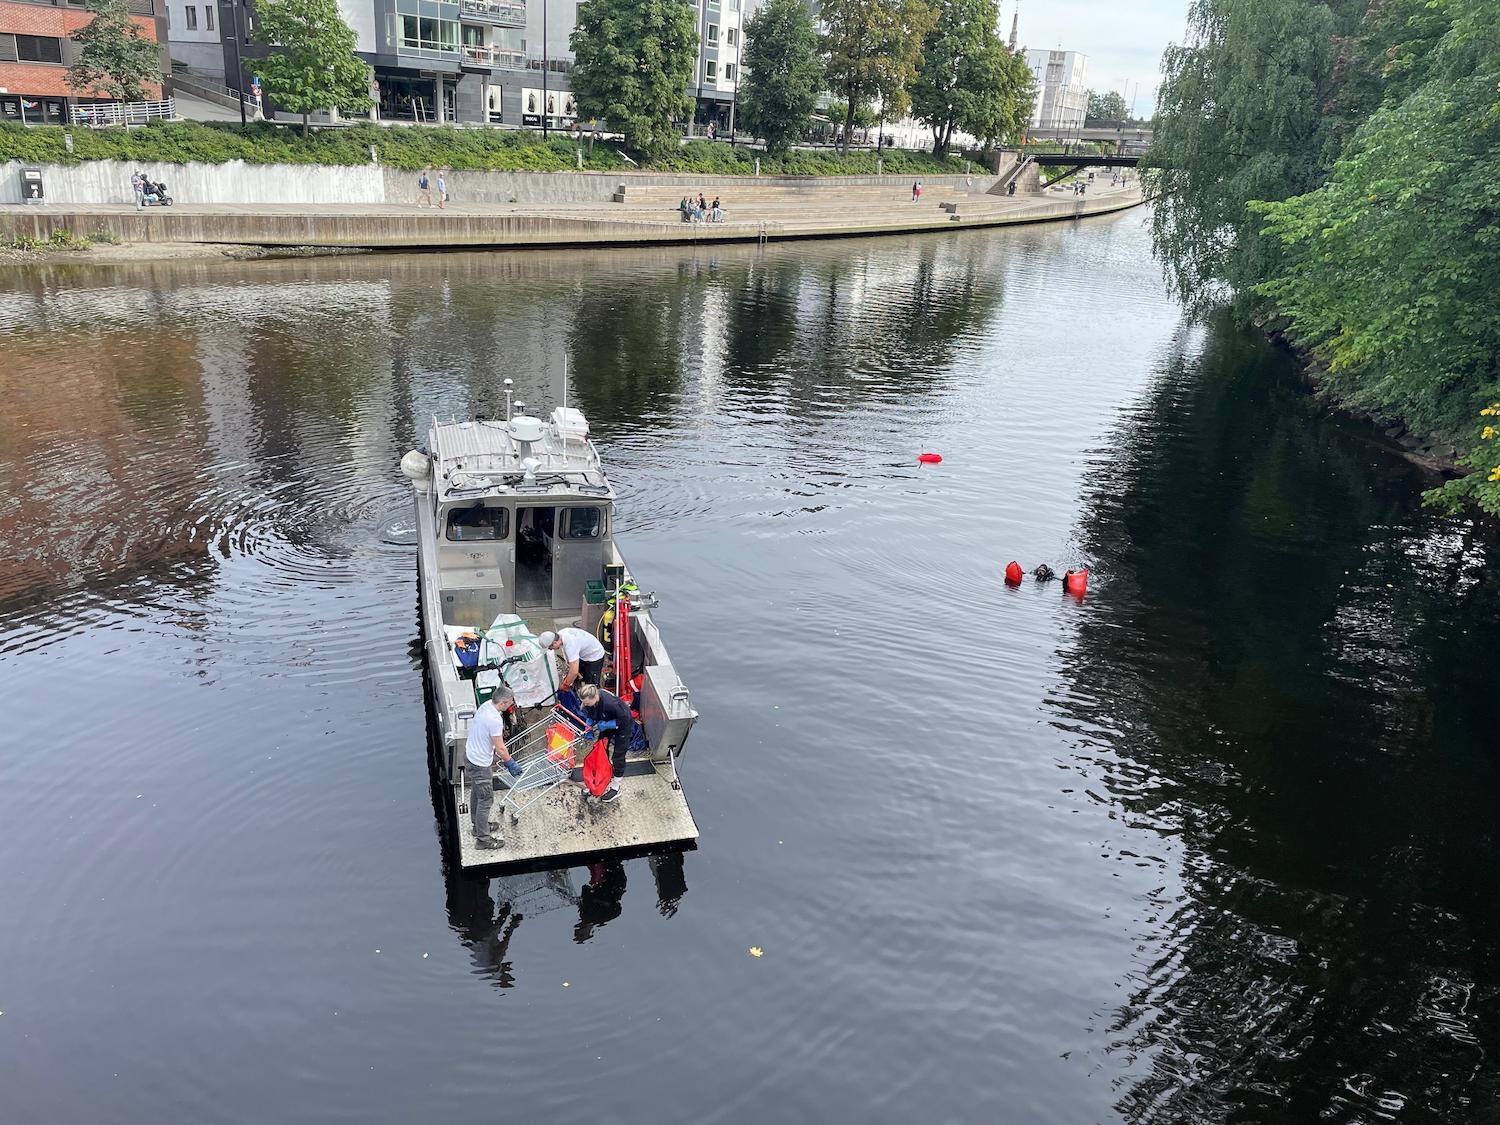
point(64, 239)
point(413, 148)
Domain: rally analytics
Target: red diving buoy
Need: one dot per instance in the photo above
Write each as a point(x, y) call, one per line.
point(1013, 573)
point(1076, 582)
point(930, 458)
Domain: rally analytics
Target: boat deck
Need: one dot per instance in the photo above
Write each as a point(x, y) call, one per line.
point(567, 822)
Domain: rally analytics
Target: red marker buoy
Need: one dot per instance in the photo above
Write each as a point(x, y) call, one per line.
point(1076, 582)
point(1013, 573)
point(930, 458)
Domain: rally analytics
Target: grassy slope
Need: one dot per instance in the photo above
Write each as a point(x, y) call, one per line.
point(416, 148)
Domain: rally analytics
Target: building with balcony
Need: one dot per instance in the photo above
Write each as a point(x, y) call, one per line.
point(36, 49)
point(503, 62)
point(1062, 93)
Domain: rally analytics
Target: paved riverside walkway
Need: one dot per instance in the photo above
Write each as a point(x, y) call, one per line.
point(762, 214)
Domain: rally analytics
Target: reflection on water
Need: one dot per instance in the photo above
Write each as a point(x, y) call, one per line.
point(1213, 844)
point(1325, 771)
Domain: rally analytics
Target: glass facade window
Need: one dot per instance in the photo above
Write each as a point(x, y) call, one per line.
point(429, 33)
point(38, 48)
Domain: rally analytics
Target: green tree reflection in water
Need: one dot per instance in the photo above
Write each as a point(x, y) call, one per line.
point(1258, 610)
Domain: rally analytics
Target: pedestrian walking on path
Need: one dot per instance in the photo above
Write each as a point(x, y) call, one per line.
point(916, 191)
point(424, 190)
point(442, 188)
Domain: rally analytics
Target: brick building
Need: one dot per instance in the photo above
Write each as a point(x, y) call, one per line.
point(36, 50)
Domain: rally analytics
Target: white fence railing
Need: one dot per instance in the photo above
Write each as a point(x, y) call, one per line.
point(122, 113)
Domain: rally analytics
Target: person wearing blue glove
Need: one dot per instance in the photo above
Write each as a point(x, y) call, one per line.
point(610, 718)
point(486, 739)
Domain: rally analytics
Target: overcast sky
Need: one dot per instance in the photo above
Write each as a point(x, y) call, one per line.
point(1122, 38)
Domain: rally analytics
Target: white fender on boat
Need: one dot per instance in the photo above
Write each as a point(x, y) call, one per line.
point(417, 467)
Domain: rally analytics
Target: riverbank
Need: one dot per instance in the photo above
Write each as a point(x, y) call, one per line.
point(642, 215)
point(1430, 453)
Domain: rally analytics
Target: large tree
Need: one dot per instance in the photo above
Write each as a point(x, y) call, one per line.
point(1108, 108)
point(967, 79)
point(115, 58)
point(1242, 114)
point(633, 60)
point(872, 48)
point(783, 73)
point(1390, 271)
point(315, 67)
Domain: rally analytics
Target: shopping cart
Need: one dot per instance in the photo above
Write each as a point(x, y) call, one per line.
point(547, 756)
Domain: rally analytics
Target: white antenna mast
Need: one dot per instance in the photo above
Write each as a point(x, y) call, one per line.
point(508, 384)
point(564, 426)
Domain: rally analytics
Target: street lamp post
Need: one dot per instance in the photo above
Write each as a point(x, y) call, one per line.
point(545, 64)
point(734, 95)
point(239, 66)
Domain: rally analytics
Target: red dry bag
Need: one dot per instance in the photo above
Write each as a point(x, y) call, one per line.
point(597, 772)
point(1076, 582)
point(1013, 573)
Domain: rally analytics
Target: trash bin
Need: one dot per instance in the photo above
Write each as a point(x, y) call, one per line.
point(32, 190)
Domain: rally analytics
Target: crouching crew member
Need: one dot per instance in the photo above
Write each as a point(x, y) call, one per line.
point(609, 718)
point(582, 651)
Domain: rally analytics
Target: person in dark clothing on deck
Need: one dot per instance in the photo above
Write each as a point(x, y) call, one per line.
point(610, 718)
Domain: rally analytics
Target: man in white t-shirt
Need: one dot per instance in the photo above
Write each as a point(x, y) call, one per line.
point(486, 739)
point(582, 652)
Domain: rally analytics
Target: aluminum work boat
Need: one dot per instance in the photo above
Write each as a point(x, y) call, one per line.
point(515, 530)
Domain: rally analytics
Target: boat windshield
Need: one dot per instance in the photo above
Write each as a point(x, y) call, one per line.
point(478, 522)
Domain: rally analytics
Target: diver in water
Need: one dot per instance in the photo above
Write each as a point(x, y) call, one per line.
point(1043, 573)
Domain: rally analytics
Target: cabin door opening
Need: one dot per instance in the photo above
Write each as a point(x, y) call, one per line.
point(535, 529)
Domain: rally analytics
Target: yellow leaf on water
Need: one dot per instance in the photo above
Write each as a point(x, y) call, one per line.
point(756, 951)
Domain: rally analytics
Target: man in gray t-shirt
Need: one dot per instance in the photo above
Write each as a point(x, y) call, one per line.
point(486, 739)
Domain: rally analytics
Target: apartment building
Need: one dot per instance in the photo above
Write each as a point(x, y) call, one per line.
point(471, 61)
point(1062, 93)
point(36, 50)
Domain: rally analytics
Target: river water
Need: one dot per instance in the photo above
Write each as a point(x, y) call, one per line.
point(1216, 843)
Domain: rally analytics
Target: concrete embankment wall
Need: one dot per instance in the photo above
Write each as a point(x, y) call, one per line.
point(432, 229)
point(108, 181)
